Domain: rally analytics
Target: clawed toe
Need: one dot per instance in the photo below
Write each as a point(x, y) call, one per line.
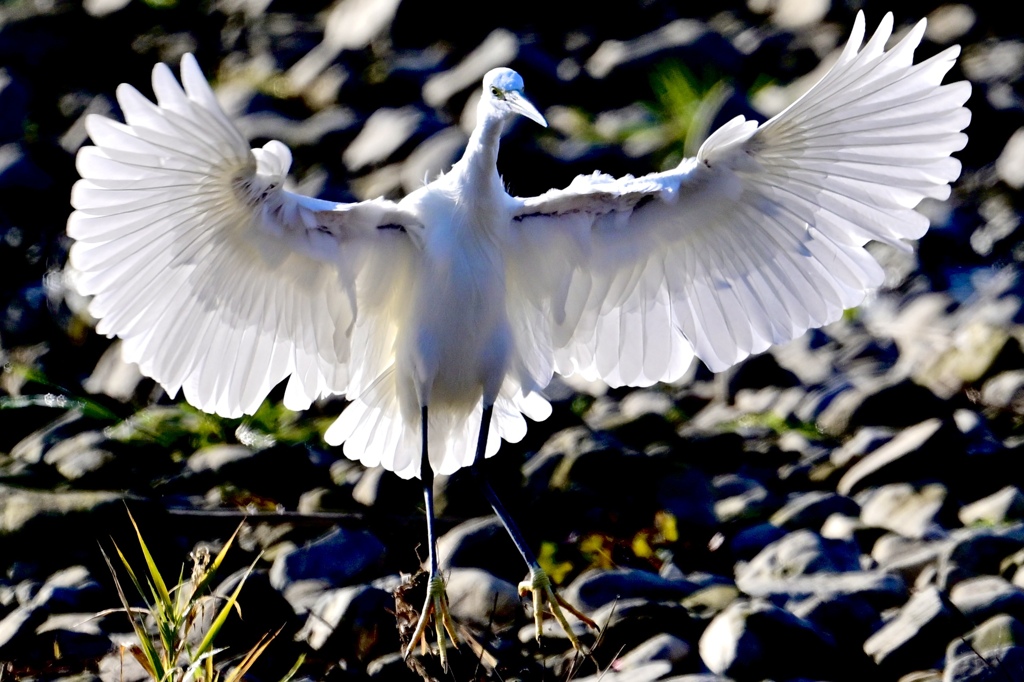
point(540, 585)
point(436, 606)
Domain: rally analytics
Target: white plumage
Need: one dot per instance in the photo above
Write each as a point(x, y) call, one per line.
point(222, 284)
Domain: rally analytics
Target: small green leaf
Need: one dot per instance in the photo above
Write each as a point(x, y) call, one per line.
point(222, 616)
point(145, 653)
point(158, 581)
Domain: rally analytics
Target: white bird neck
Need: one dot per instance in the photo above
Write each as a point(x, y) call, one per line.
point(480, 160)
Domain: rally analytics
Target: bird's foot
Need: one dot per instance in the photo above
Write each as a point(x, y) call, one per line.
point(540, 585)
point(436, 605)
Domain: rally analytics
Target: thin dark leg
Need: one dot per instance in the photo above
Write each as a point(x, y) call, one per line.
point(427, 478)
point(436, 603)
point(492, 497)
point(539, 583)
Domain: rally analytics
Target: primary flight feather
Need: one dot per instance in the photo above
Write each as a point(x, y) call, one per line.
point(459, 303)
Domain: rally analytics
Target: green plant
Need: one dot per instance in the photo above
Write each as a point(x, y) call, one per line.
point(56, 397)
point(162, 626)
point(686, 106)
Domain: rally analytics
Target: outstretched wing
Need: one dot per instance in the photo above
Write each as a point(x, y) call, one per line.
point(754, 241)
point(219, 282)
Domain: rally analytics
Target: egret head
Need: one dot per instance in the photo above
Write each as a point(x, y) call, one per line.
point(503, 91)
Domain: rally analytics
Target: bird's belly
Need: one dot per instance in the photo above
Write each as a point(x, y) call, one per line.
point(456, 347)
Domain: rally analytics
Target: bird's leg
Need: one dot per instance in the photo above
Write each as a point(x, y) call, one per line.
point(538, 584)
point(436, 603)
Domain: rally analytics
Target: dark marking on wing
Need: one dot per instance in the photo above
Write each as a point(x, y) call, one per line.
point(644, 200)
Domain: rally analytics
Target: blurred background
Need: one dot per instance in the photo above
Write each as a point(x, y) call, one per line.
point(373, 97)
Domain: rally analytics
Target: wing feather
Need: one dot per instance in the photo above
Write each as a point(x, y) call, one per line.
point(756, 240)
point(219, 282)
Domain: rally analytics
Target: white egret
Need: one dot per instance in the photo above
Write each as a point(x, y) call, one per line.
point(443, 316)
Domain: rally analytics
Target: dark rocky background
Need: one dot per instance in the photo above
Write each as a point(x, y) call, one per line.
point(846, 507)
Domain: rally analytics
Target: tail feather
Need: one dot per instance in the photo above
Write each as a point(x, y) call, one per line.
point(375, 432)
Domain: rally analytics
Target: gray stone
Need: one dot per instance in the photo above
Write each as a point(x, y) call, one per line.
point(391, 667)
point(977, 551)
point(80, 455)
point(112, 376)
point(846, 617)
point(432, 156)
point(839, 527)
point(101, 8)
point(308, 131)
point(339, 557)
point(708, 602)
point(913, 512)
point(594, 588)
point(918, 564)
point(880, 401)
point(866, 439)
point(21, 508)
point(647, 672)
point(663, 647)
point(382, 134)
point(16, 629)
point(72, 589)
point(352, 621)
point(611, 54)
point(121, 666)
point(479, 598)
point(913, 453)
point(998, 632)
point(914, 639)
point(214, 458)
point(984, 596)
point(627, 623)
point(748, 542)
point(687, 496)
point(32, 447)
point(1006, 504)
point(1005, 391)
point(481, 543)
point(348, 26)
point(741, 499)
point(893, 547)
point(551, 468)
point(263, 609)
point(498, 49)
point(1010, 164)
point(794, 14)
point(922, 676)
point(77, 636)
point(799, 553)
point(755, 640)
point(949, 23)
point(302, 595)
point(378, 487)
point(997, 665)
point(812, 509)
point(881, 590)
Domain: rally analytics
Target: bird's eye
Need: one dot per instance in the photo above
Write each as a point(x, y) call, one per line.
point(497, 92)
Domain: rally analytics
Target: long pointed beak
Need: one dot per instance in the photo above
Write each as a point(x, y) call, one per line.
point(521, 105)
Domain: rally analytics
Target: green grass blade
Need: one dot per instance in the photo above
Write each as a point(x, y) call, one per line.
point(131, 574)
point(146, 651)
point(295, 669)
point(162, 593)
point(222, 616)
point(250, 658)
